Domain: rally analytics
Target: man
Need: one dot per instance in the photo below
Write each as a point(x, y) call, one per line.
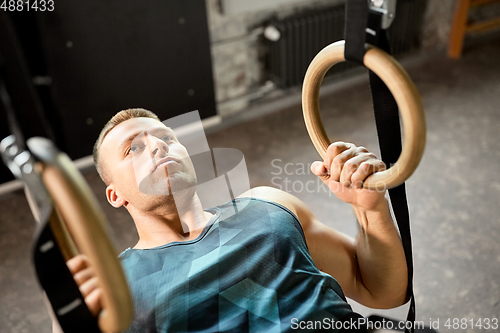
point(268, 267)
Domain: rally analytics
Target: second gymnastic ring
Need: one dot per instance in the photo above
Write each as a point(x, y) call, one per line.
point(402, 88)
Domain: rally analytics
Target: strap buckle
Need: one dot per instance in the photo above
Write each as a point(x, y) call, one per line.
point(22, 164)
point(385, 7)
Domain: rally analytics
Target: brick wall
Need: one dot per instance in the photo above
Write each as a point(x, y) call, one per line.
point(238, 58)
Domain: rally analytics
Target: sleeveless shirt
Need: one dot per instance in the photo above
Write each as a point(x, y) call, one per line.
point(248, 271)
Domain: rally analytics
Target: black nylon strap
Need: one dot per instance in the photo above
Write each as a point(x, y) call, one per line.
point(61, 289)
point(6, 105)
point(355, 25)
point(389, 136)
point(15, 72)
point(52, 272)
point(358, 18)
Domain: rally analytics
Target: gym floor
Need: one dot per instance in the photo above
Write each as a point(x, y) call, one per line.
point(454, 195)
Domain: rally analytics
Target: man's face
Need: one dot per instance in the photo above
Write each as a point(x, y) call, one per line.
point(145, 163)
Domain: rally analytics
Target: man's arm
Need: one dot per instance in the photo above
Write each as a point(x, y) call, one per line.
point(371, 269)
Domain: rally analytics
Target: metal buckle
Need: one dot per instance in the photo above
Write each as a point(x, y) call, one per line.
point(22, 166)
point(387, 8)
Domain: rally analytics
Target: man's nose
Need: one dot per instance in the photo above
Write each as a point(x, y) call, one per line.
point(158, 147)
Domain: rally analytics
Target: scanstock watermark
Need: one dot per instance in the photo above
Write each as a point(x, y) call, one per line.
point(289, 177)
point(354, 324)
point(298, 178)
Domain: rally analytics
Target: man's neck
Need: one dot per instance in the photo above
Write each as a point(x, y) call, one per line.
point(170, 223)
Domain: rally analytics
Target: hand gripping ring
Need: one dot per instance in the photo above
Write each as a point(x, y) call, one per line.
point(88, 227)
point(402, 88)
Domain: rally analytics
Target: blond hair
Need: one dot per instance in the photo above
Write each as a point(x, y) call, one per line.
point(117, 119)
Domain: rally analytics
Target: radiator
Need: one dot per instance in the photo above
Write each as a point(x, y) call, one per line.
point(303, 35)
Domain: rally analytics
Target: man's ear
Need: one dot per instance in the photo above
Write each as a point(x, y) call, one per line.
point(113, 198)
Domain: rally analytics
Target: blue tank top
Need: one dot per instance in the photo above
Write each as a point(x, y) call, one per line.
point(248, 271)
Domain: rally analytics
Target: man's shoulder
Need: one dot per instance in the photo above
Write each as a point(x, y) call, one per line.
point(294, 204)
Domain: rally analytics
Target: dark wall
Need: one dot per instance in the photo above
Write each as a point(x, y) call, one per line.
point(104, 56)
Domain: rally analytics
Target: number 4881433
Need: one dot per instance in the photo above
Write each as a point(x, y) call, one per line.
point(27, 5)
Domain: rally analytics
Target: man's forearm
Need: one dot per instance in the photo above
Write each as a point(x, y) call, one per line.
point(380, 255)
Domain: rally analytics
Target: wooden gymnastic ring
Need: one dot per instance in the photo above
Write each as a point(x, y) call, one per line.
point(88, 227)
point(402, 88)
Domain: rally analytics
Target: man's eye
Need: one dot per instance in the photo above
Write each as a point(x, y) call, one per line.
point(133, 149)
point(167, 138)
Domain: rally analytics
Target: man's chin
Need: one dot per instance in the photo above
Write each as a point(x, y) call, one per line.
point(152, 185)
point(162, 185)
